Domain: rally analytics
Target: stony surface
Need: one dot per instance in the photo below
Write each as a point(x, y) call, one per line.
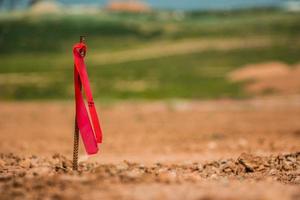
point(30, 177)
point(223, 149)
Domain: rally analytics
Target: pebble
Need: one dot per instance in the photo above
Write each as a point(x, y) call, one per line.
point(134, 174)
point(122, 166)
point(25, 163)
point(2, 163)
point(199, 167)
point(41, 170)
point(273, 172)
point(214, 177)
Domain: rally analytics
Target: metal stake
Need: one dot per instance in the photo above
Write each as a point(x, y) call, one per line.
point(76, 146)
point(76, 129)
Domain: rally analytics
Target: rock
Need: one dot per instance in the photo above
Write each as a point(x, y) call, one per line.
point(122, 166)
point(113, 171)
point(297, 180)
point(162, 170)
point(287, 167)
point(42, 170)
point(34, 162)
point(22, 173)
point(134, 174)
point(2, 163)
point(141, 166)
point(199, 167)
point(214, 177)
point(273, 172)
point(228, 167)
point(291, 159)
point(26, 163)
point(67, 163)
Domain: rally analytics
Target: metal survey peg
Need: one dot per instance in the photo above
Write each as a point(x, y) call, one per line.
point(76, 146)
point(76, 129)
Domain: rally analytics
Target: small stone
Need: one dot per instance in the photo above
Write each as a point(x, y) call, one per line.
point(273, 172)
point(261, 168)
point(134, 174)
point(25, 163)
point(141, 166)
point(22, 173)
point(214, 177)
point(34, 162)
point(287, 167)
point(122, 166)
point(41, 170)
point(200, 167)
point(227, 169)
point(162, 170)
point(291, 159)
point(297, 180)
point(2, 163)
point(67, 163)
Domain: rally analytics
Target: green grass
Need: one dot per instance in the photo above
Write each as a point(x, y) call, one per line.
point(192, 76)
point(39, 53)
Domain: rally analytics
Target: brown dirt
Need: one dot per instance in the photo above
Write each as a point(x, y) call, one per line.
point(269, 78)
point(221, 149)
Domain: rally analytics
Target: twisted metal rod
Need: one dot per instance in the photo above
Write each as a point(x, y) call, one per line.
point(76, 146)
point(76, 129)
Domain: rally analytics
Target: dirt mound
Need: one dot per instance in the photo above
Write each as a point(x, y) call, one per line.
point(260, 71)
point(48, 176)
point(272, 77)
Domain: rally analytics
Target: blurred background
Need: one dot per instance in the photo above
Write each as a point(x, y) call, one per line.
point(175, 81)
point(166, 72)
point(150, 49)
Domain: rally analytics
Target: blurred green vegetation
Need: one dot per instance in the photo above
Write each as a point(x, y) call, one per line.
point(36, 59)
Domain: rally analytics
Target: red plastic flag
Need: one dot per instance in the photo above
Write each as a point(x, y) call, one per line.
point(90, 130)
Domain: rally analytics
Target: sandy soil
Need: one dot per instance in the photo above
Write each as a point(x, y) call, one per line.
point(222, 149)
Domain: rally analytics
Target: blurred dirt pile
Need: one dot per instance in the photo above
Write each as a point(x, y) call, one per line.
point(269, 78)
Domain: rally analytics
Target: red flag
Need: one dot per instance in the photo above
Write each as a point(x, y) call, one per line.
point(90, 130)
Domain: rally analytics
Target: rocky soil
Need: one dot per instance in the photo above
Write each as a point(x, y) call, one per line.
point(207, 150)
point(34, 177)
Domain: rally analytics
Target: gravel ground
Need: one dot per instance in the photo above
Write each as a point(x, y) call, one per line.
point(221, 149)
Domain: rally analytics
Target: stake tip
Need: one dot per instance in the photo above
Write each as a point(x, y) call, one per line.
point(82, 38)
